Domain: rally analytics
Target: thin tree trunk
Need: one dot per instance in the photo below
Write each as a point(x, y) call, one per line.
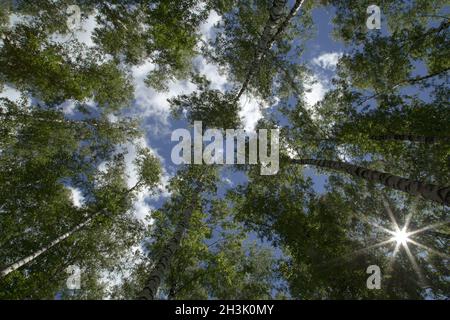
point(36, 254)
point(416, 188)
point(165, 260)
point(295, 9)
point(268, 37)
point(408, 137)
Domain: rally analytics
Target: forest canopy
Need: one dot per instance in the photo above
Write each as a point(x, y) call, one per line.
point(355, 114)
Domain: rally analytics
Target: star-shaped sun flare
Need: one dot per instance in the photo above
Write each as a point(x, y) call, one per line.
point(402, 237)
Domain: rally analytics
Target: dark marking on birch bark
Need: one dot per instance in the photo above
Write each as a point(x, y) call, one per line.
point(427, 191)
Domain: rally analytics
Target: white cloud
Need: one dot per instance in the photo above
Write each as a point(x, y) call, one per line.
point(151, 103)
point(83, 34)
point(141, 208)
point(327, 60)
point(251, 111)
point(77, 197)
point(87, 28)
point(319, 83)
point(211, 72)
point(207, 28)
point(68, 107)
point(316, 89)
point(10, 93)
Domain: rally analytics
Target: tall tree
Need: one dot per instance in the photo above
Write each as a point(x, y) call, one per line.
point(214, 259)
point(43, 155)
point(329, 238)
point(273, 28)
point(148, 176)
point(188, 186)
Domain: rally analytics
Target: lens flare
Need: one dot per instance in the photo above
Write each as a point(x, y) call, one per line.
point(401, 236)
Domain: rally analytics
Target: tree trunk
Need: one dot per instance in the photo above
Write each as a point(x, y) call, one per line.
point(164, 262)
point(268, 37)
point(36, 254)
point(416, 188)
point(408, 137)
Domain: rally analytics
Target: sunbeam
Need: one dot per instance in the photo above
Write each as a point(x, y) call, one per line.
point(431, 226)
point(414, 264)
point(429, 249)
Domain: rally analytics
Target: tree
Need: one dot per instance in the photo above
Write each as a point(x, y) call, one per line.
point(164, 32)
point(246, 40)
point(214, 258)
point(149, 173)
point(64, 196)
point(36, 254)
point(329, 238)
point(273, 28)
point(262, 71)
point(376, 94)
point(188, 185)
point(258, 25)
point(42, 154)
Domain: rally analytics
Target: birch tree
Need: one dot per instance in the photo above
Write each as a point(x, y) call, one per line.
point(188, 186)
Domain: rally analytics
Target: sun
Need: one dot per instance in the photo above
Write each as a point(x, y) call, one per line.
point(401, 236)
